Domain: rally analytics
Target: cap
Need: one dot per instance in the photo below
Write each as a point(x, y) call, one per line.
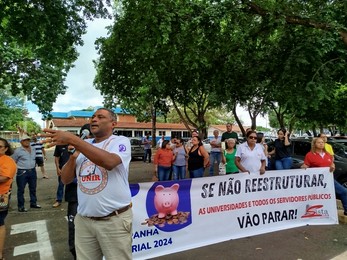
point(25, 137)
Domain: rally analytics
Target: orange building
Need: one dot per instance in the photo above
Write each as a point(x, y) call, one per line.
point(127, 124)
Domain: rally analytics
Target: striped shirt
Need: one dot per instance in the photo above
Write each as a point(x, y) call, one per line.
point(38, 147)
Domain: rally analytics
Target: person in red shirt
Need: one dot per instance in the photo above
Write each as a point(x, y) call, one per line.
point(163, 160)
point(319, 157)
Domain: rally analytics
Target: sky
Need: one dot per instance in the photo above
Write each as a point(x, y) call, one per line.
point(81, 92)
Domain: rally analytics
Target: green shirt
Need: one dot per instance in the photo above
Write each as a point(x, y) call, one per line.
point(230, 166)
point(227, 135)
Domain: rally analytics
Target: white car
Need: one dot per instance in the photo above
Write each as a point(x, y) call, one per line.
point(137, 148)
point(207, 145)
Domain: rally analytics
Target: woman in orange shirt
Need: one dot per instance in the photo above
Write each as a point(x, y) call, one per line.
point(163, 161)
point(8, 169)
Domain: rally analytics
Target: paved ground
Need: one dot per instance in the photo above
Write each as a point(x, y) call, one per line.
point(46, 230)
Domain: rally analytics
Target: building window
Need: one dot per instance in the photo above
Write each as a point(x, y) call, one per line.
point(138, 133)
point(186, 134)
point(126, 133)
point(148, 133)
point(177, 134)
point(162, 133)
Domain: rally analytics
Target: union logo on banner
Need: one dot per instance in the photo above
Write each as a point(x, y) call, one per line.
point(315, 211)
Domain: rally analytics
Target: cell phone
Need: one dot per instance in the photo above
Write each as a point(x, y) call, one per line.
point(223, 145)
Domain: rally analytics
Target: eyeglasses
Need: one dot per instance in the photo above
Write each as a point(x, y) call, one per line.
point(252, 137)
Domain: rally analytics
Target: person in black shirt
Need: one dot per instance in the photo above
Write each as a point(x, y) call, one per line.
point(282, 151)
point(61, 157)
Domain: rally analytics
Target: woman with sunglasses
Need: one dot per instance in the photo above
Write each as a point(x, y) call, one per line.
point(250, 157)
point(8, 169)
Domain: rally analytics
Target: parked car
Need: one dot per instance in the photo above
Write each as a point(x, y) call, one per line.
point(339, 146)
point(137, 149)
point(343, 137)
point(340, 141)
point(270, 139)
point(300, 147)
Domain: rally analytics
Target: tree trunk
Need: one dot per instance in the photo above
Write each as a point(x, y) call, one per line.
point(238, 121)
point(154, 127)
point(184, 121)
point(254, 123)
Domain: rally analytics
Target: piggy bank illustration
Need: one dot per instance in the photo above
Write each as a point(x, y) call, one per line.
point(166, 200)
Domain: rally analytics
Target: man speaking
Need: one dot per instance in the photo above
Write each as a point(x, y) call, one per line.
point(101, 164)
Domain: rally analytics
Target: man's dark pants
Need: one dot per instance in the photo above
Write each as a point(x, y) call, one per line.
point(148, 153)
point(23, 177)
point(71, 213)
point(60, 190)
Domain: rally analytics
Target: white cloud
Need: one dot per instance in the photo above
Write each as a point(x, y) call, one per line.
point(81, 92)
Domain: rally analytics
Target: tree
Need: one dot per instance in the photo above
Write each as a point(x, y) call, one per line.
point(205, 54)
point(298, 60)
point(174, 60)
point(213, 117)
point(319, 15)
point(13, 114)
point(29, 127)
point(12, 111)
point(37, 45)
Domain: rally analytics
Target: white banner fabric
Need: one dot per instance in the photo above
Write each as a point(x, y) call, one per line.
point(174, 216)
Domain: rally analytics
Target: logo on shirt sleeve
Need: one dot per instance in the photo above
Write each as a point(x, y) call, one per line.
point(122, 148)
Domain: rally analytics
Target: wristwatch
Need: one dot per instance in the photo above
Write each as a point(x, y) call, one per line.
point(71, 151)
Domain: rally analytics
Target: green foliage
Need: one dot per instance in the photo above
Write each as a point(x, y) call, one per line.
point(212, 116)
point(297, 67)
point(30, 127)
point(173, 57)
point(37, 45)
point(11, 110)
point(13, 113)
point(283, 56)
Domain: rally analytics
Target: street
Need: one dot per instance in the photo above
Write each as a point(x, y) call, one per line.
point(42, 233)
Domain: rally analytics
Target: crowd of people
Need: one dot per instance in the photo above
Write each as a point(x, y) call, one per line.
point(251, 156)
point(181, 160)
point(95, 208)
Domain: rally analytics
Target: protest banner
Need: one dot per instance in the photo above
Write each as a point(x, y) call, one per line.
point(174, 216)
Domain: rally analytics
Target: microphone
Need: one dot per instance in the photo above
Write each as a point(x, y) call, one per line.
point(85, 133)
